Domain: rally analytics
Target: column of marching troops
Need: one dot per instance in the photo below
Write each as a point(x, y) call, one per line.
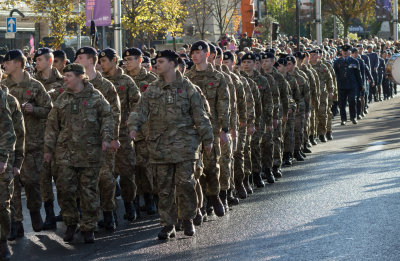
point(190, 135)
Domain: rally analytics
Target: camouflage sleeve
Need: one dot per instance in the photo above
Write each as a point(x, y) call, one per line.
point(313, 89)
point(107, 121)
point(7, 134)
point(284, 95)
point(134, 95)
point(241, 102)
point(335, 89)
point(204, 99)
point(296, 92)
point(317, 86)
point(139, 115)
point(267, 104)
point(115, 104)
point(306, 95)
point(19, 128)
point(42, 105)
point(223, 106)
point(233, 105)
point(250, 104)
point(275, 97)
point(52, 129)
point(257, 103)
point(328, 80)
point(200, 117)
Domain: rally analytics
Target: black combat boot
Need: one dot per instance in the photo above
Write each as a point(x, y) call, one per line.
point(88, 236)
point(20, 229)
point(247, 185)
point(287, 161)
point(59, 218)
point(50, 221)
point(298, 156)
point(198, 220)
point(109, 220)
point(69, 234)
point(223, 197)
point(203, 211)
point(149, 203)
point(5, 254)
point(209, 207)
point(13, 231)
point(258, 180)
point(269, 176)
point(232, 200)
point(240, 190)
point(329, 135)
point(306, 149)
point(217, 204)
point(302, 154)
point(313, 140)
point(36, 219)
point(322, 138)
point(167, 232)
point(130, 211)
point(277, 172)
point(188, 227)
point(178, 225)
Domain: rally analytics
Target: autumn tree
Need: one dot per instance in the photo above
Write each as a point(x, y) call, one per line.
point(283, 12)
point(200, 10)
point(346, 10)
point(223, 13)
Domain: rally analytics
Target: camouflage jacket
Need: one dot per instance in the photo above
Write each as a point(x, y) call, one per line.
point(53, 85)
point(7, 134)
point(19, 127)
point(284, 92)
point(177, 121)
point(257, 98)
point(294, 87)
point(212, 83)
point(241, 100)
point(232, 96)
point(325, 79)
point(250, 103)
point(76, 127)
point(304, 87)
point(333, 74)
point(129, 96)
point(275, 95)
point(32, 91)
point(314, 94)
point(109, 92)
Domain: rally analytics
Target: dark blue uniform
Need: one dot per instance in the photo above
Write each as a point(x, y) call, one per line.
point(374, 60)
point(349, 81)
point(360, 92)
point(381, 73)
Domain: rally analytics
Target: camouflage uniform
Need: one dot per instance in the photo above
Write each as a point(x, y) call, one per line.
point(213, 85)
point(268, 137)
point(54, 87)
point(75, 129)
point(19, 128)
point(107, 181)
point(144, 177)
point(334, 92)
point(289, 139)
point(7, 146)
point(32, 91)
point(302, 109)
point(177, 123)
point(326, 87)
point(316, 102)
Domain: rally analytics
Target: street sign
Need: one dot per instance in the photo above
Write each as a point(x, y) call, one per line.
point(11, 25)
point(10, 35)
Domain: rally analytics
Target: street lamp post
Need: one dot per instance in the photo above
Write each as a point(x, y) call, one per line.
point(117, 27)
point(395, 21)
point(318, 22)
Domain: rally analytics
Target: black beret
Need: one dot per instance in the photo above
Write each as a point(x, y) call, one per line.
point(271, 50)
point(181, 61)
point(74, 67)
point(86, 50)
point(354, 50)
point(291, 58)
point(276, 64)
point(200, 45)
point(283, 55)
point(258, 57)
point(360, 45)
point(212, 48)
point(299, 55)
point(267, 55)
point(42, 51)
point(146, 59)
point(132, 52)
point(189, 64)
point(153, 61)
point(219, 51)
point(346, 47)
point(60, 54)
point(145, 53)
point(312, 51)
point(13, 54)
point(167, 54)
point(228, 56)
point(282, 61)
point(249, 56)
point(184, 56)
point(109, 53)
point(320, 51)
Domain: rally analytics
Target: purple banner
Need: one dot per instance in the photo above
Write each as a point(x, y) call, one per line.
point(99, 11)
point(383, 10)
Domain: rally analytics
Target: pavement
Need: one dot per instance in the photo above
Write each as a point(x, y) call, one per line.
point(342, 203)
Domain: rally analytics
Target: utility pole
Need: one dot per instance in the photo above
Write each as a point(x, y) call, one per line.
point(395, 21)
point(117, 27)
point(318, 21)
point(79, 28)
point(298, 23)
point(335, 31)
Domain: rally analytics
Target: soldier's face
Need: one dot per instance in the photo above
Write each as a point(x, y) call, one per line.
point(106, 64)
point(257, 65)
point(164, 66)
point(132, 62)
point(228, 63)
point(199, 56)
point(248, 65)
point(290, 67)
point(313, 57)
point(218, 60)
point(84, 60)
point(43, 63)
point(71, 80)
point(267, 63)
point(11, 66)
point(211, 58)
point(59, 64)
point(282, 68)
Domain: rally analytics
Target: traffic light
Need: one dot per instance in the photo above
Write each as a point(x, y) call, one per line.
point(275, 31)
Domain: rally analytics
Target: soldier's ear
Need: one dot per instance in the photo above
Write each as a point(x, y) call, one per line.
point(207, 54)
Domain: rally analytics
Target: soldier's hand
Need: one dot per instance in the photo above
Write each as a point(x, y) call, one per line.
point(105, 145)
point(251, 130)
point(208, 148)
point(2, 167)
point(132, 134)
point(47, 157)
point(223, 137)
point(275, 123)
point(28, 107)
point(115, 144)
point(234, 134)
point(242, 124)
point(16, 171)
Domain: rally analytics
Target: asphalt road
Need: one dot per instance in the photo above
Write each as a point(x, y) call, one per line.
point(342, 203)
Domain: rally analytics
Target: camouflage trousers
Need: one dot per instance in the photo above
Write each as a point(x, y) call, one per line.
point(312, 130)
point(144, 176)
point(289, 133)
point(84, 182)
point(125, 169)
point(306, 132)
point(247, 156)
point(30, 178)
point(226, 164)
point(267, 148)
point(6, 191)
point(16, 201)
point(278, 143)
point(256, 150)
point(107, 183)
point(211, 168)
point(299, 130)
point(198, 174)
point(322, 117)
point(47, 174)
point(176, 186)
point(238, 155)
point(330, 114)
